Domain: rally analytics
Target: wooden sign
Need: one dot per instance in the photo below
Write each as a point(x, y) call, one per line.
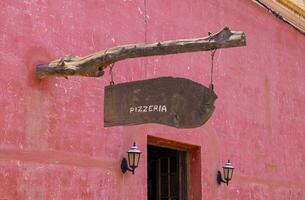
point(176, 102)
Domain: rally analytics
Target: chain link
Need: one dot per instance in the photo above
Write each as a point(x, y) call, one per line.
point(111, 74)
point(211, 86)
point(213, 51)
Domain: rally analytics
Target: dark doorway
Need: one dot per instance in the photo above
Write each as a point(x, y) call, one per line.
point(167, 174)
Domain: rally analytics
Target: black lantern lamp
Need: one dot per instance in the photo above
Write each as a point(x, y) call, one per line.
point(133, 159)
point(227, 173)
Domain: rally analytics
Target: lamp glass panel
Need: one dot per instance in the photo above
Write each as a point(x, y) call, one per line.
point(225, 173)
point(136, 159)
point(230, 173)
point(131, 159)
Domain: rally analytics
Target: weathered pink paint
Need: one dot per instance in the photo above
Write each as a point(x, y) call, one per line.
point(52, 141)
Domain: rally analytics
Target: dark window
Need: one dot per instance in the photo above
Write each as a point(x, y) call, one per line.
point(166, 174)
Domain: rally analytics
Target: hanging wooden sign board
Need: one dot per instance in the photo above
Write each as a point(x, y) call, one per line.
point(176, 102)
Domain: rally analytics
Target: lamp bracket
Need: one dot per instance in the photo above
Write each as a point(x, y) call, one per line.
point(124, 166)
point(219, 179)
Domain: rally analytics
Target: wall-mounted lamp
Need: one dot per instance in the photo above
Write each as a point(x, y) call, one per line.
point(227, 173)
point(133, 159)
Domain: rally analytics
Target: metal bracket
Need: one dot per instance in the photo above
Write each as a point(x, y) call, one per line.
point(124, 166)
point(219, 179)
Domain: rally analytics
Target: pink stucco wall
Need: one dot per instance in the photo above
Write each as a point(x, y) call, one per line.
point(52, 141)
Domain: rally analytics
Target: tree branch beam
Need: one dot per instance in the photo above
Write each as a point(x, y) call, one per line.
point(94, 65)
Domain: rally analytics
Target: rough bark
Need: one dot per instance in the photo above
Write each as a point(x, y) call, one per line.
point(93, 65)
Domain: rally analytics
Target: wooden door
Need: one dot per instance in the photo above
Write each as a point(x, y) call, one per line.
point(166, 174)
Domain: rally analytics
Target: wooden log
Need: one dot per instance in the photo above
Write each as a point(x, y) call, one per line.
point(94, 65)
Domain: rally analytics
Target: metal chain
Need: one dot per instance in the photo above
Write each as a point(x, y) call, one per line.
point(111, 74)
point(211, 86)
point(110, 68)
point(213, 51)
